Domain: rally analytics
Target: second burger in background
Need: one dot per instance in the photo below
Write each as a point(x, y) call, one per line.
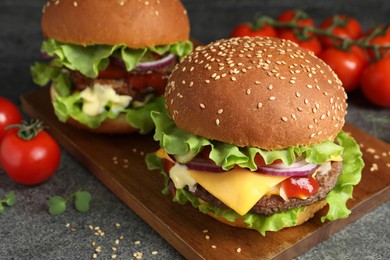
point(253, 135)
point(108, 61)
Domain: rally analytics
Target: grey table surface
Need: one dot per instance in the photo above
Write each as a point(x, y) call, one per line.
point(28, 231)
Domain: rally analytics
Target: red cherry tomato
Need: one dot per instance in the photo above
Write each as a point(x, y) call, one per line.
point(375, 82)
point(328, 42)
point(312, 44)
point(299, 16)
point(299, 187)
point(9, 115)
point(247, 29)
point(382, 39)
point(32, 161)
point(350, 24)
point(346, 64)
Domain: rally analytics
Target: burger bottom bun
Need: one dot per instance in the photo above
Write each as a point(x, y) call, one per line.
point(117, 125)
point(302, 217)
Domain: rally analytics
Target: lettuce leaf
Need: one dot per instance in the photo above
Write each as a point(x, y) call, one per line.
point(88, 60)
point(179, 143)
point(337, 198)
point(71, 106)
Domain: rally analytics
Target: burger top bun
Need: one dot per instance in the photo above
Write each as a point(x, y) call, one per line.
point(134, 23)
point(261, 92)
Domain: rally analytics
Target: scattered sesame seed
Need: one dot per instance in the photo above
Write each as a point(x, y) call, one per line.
point(217, 121)
point(233, 78)
point(312, 135)
point(202, 105)
point(270, 87)
point(205, 231)
point(272, 98)
point(137, 242)
point(220, 111)
point(75, 4)
point(207, 237)
point(257, 82)
point(213, 246)
point(154, 252)
point(259, 105)
point(238, 250)
point(297, 94)
point(248, 91)
point(284, 119)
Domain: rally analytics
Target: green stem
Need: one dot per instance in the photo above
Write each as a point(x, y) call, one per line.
point(302, 32)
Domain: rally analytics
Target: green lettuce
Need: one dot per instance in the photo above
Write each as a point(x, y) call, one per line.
point(182, 144)
point(88, 60)
point(337, 198)
point(71, 106)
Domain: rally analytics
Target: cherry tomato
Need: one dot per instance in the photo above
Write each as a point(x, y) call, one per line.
point(29, 161)
point(299, 187)
point(375, 82)
point(346, 64)
point(247, 29)
point(328, 42)
point(350, 24)
point(381, 39)
point(157, 80)
point(298, 16)
point(312, 44)
point(9, 115)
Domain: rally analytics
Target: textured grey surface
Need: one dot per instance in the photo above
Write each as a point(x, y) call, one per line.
point(27, 231)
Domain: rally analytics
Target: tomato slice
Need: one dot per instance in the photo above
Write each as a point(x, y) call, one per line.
point(112, 72)
point(157, 80)
point(299, 187)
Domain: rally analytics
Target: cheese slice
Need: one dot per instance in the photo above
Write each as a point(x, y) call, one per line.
point(239, 189)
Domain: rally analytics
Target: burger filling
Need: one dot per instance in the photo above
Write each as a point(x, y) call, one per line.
point(267, 189)
point(93, 83)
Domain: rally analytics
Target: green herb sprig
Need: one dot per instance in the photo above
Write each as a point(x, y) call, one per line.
point(9, 200)
point(57, 204)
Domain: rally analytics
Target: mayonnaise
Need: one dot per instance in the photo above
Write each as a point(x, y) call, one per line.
point(96, 98)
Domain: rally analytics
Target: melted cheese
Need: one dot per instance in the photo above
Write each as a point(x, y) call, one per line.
point(239, 189)
point(96, 98)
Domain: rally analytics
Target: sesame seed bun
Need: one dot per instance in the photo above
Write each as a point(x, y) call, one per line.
point(131, 23)
point(260, 92)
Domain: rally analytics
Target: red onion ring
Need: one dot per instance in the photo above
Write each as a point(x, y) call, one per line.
point(156, 64)
point(201, 164)
point(306, 169)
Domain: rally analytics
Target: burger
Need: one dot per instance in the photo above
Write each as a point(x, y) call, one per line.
point(252, 135)
point(107, 62)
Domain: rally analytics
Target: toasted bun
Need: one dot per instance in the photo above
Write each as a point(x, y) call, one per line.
point(134, 23)
point(118, 125)
point(302, 217)
point(262, 92)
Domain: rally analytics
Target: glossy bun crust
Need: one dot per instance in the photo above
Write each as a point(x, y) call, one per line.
point(260, 92)
point(134, 23)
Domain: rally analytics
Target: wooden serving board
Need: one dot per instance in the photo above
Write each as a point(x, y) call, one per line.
point(118, 162)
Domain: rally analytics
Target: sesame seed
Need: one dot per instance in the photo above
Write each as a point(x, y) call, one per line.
point(311, 126)
point(272, 98)
point(207, 81)
point(259, 105)
point(220, 111)
point(213, 246)
point(202, 105)
point(312, 135)
point(257, 82)
point(207, 237)
point(233, 78)
point(217, 121)
point(248, 91)
point(270, 87)
point(238, 250)
point(284, 119)
point(297, 94)
point(154, 252)
point(293, 116)
point(75, 4)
